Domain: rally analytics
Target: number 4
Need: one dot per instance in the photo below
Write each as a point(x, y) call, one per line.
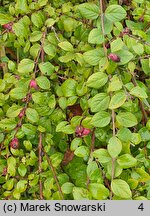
point(141, 207)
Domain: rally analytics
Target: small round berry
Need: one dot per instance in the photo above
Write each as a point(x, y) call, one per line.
point(86, 131)
point(79, 130)
point(14, 143)
point(33, 84)
point(8, 26)
point(114, 57)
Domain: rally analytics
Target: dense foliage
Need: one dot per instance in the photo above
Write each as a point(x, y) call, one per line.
point(74, 99)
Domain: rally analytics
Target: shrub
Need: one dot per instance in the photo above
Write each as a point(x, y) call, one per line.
point(74, 97)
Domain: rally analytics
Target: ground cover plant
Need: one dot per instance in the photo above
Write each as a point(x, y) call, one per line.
point(75, 99)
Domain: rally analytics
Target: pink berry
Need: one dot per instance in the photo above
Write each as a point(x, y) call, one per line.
point(114, 57)
point(107, 45)
point(33, 84)
point(8, 26)
point(14, 143)
point(79, 130)
point(86, 131)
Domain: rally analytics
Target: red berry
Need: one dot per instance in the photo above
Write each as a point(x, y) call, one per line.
point(14, 143)
point(107, 45)
point(86, 131)
point(33, 84)
point(79, 130)
point(114, 57)
point(22, 113)
point(8, 26)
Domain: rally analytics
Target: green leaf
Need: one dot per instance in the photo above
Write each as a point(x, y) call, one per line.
point(145, 134)
point(26, 66)
point(92, 57)
point(114, 147)
point(8, 124)
point(21, 6)
point(99, 102)
point(5, 18)
point(21, 186)
point(67, 187)
point(115, 13)
point(29, 129)
point(80, 193)
point(65, 128)
point(46, 68)
point(125, 56)
point(37, 19)
point(124, 134)
point(89, 10)
point(22, 169)
point(116, 169)
point(49, 49)
point(67, 58)
point(11, 166)
point(35, 36)
point(65, 45)
point(146, 66)
point(52, 101)
point(32, 115)
point(13, 111)
point(9, 184)
point(50, 22)
point(101, 119)
point(115, 84)
point(75, 143)
point(98, 191)
point(116, 45)
point(56, 159)
point(126, 161)
point(96, 36)
point(18, 93)
point(138, 49)
point(28, 145)
point(2, 85)
point(126, 119)
point(121, 189)
point(138, 92)
point(82, 151)
point(97, 80)
point(69, 87)
point(43, 82)
point(102, 155)
point(117, 100)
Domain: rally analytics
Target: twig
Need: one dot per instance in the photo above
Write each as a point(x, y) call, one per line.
point(40, 168)
point(91, 151)
point(103, 175)
point(102, 25)
point(4, 64)
point(113, 122)
point(93, 141)
point(53, 29)
point(54, 175)
point(141, 103)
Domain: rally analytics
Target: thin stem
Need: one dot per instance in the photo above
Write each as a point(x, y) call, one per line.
point(54, 175)
point(112, 175)
point(40, 168)
point(113, 122)
point(4, 64)
point(91, 151)
point(141, 103)
point(102, 25)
